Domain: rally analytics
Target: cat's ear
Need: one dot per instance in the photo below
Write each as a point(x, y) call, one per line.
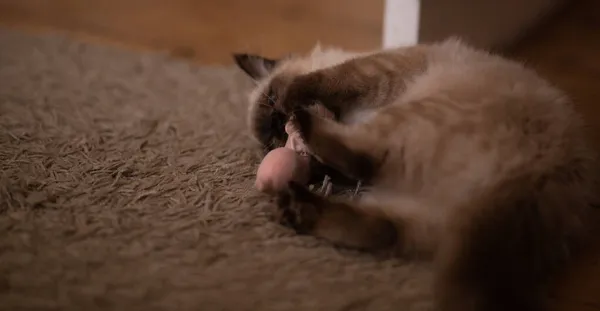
point(257, 67)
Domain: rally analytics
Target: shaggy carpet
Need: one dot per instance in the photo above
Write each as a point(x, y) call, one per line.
point(127, 184)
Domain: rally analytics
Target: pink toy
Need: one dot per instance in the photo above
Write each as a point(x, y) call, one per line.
point(285, 164)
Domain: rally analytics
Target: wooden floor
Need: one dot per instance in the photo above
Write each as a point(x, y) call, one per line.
point(207, 30)
point(566, 49)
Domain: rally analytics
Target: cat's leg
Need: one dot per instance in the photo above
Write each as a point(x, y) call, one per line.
point(371, 80)
point(344, 223)
point(353, 151)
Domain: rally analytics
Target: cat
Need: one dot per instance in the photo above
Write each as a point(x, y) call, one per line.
point(470, 159)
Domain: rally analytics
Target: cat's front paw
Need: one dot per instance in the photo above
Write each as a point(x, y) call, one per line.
point(299, 208)
point(296, 95)
point(303, 120)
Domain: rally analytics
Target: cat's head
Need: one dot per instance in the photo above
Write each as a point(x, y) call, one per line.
point(265, 123)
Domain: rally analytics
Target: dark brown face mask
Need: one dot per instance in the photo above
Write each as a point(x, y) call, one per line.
point(271, 130)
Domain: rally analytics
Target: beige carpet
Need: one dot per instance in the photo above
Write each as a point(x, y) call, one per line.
point(126, 184)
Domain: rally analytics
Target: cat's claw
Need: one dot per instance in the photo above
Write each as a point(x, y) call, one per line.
point(326, 187)
point(357, 189)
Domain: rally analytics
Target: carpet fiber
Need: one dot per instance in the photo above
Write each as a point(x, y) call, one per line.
point(126, 184)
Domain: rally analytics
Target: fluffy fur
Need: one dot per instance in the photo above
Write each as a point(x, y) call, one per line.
point(470, 159)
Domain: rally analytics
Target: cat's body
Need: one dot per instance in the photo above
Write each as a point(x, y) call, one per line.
point(467, 156)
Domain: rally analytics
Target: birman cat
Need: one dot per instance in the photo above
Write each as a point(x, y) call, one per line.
point(468, 159)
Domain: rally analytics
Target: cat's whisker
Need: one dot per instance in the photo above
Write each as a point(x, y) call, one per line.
point(265, 105)
point(271, 145)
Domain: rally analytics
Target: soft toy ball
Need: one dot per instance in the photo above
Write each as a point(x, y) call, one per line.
point(279, 167)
